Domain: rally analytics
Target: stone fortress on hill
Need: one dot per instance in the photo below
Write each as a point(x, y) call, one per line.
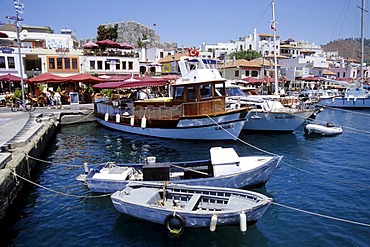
point(131, 32)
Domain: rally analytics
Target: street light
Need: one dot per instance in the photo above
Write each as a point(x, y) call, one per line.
point(19, 10)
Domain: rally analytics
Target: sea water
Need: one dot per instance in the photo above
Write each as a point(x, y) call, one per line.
point(321, 190)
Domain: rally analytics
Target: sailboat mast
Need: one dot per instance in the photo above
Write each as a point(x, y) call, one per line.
point(273, 26)
point(362, 40)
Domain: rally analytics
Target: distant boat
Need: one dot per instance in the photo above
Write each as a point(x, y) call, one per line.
point(355, 96)
point(224, 169)
point(180, 206)
point(193, 111)
point(326, 130)
point(266, 112)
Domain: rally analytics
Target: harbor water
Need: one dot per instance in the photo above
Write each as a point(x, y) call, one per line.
point(321, 190)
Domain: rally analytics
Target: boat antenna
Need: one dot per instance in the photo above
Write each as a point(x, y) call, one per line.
point(273, 27)
point(362, 41)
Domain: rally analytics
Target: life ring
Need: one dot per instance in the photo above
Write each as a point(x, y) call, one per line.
point(350, 80)
point(172, 229)
point(193, 52)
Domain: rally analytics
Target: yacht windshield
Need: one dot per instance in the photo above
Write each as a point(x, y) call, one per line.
point(235, 91)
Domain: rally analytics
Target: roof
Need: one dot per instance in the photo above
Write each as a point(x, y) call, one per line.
point(170, 58)
point(255, 63)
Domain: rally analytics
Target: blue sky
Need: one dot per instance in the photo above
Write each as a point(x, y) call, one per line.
point(193, 22)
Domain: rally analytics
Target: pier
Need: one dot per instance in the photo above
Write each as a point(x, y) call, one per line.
point(24, 134)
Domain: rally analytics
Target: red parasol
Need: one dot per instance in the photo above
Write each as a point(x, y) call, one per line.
point(108, 43)
point(84, 78)
point(10, 77)
point(47, 77)
point(90, 45)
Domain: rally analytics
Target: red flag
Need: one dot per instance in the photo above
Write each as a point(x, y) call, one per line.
point(272, 27)
point(154, 24)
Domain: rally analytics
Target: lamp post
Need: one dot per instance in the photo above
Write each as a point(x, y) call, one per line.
point(19, 10)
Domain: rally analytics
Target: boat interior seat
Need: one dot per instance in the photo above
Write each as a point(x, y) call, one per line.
point(235, 202)
point(192, 203)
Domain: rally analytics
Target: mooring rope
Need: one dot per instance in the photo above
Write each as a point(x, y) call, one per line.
point(321, 215)
point(50, 162)
point(57, 192)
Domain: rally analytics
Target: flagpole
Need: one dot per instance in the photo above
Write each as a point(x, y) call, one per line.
point(273, 26)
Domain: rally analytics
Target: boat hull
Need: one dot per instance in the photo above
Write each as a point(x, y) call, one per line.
point(253, 208)
point(343, 102)
point(248, 178)
point(275, 121)
point(221, 127)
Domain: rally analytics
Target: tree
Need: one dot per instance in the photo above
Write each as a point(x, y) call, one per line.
point(248, 55)
point(107, 32)
point(141, 43)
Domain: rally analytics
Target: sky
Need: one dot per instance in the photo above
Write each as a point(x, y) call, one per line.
point(193, 22)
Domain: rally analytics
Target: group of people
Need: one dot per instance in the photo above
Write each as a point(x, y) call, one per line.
point(53, 99)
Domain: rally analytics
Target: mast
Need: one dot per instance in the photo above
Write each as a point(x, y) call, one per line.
point(273, 27)
point(362, 41)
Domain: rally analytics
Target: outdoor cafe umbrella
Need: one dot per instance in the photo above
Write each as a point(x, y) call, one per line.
point(47, 77)
point(108, 43)
point(83, 78)
point(126, 46)
point(90, 45)
point(10, 77)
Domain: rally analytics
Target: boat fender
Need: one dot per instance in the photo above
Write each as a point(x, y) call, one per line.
point(266, 107)
point(143, 122)
point(86, 168)
point(212, 225)
point(106, 117)
point(118, 118)
point(132, 121)
point(171, 228)
point(243, 222)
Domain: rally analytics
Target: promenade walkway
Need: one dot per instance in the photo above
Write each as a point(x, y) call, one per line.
point(16, 128)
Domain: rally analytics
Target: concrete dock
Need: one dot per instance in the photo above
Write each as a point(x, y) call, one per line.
point(24, 134)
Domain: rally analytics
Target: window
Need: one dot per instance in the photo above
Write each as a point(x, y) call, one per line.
point(11, 63)
point(247, 73)
point(124, 65)
point(74, 63)
point(107, 65)
point(51, 63)
point(254, 73)
point(100, 65)
point(92, 64)
point(236, 73)
point(206, 91)
point(179, 93)
point(2, 62)
point(59, 63)
point(130, 65)
point(192, 94)
point(118, 67)
point(67, 63)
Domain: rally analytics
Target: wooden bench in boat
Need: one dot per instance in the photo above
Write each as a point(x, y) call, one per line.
point(191, 204)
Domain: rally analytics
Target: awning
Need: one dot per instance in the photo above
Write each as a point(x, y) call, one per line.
point(47, 77)
point(10, 77)
point(132, 83)
point(83, 78)
point(90, 45)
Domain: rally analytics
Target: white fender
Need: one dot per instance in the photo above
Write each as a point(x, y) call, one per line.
point(143, 122)
point(118, 118)
point(106, 117)
point(243, 222)
point(213, 224)
point(266, 107)
point(132, 121)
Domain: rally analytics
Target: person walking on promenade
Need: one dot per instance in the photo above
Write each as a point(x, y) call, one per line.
point(58, 100)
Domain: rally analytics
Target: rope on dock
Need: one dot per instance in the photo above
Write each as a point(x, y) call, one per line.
point(322, 215)
point(53, 163)
point(57, 192)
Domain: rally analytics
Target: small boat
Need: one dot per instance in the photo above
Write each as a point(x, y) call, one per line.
point(326, 130)
point(180, 206)
point(224, 169)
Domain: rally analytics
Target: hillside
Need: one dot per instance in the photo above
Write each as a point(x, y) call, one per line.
point(349, 48)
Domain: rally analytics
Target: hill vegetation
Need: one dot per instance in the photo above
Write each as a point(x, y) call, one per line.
point(349, 48)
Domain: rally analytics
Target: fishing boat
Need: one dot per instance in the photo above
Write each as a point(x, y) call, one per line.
point(224, 169)
point(193, 110)
point(328, 129)
point(180, 206)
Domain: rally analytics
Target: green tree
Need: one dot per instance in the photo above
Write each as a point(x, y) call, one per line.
point(248, 55)
point(140, 42)
point(107, 32)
